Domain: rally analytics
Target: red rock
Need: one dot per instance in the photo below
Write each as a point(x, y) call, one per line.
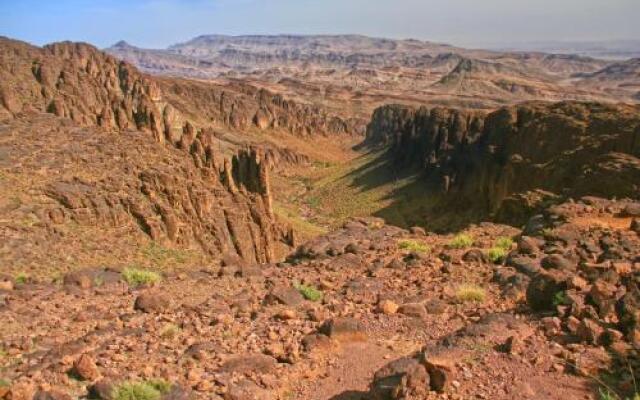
point(387, 307)
point(286, 295)
point(103, 389)
point(415, 310)
point(152, 302)
point(344, 329)
point(85, 368)
point(589, 331)
point(250, 363)
point(399, 379)
point(52, 395)
point(441, 366)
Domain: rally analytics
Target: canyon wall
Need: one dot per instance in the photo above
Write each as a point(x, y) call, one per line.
point(525, 152)
point(171, 182)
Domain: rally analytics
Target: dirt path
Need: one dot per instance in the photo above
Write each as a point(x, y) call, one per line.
point(349, 376)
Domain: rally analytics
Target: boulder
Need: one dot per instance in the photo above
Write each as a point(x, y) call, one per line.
point(343, 329)
point(246, 390)
point(631, 210)
point(102, 390)
point(286, 295)
point(250, 363)
point(81, 279)
point(387, 307)
point(440, 364)
point(475, 255)
point(543, 289)
point(85, 368)
point(528, 245)
point(51, 395)
point(399, 379)
point(415, 310)
point(556, 261)
point(152, 302)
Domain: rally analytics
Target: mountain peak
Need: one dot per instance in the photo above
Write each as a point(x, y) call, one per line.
point(122, 45)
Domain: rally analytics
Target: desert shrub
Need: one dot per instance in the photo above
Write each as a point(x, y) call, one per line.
point(136, 277)
point(461, 241)
point(497, 254)
point(560, 299)
point(22, 278)
point(413, 245)
point(163, 257)
point(309, 292)
point(504, 242)
point(4, 383)
point(607, 395)
point(170, 331)
point(470, 293)
point(152, 389)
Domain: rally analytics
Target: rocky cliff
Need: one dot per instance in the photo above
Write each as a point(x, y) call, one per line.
point(77, 81)
point(241, 106)
point(118, 156)
point(533, 150)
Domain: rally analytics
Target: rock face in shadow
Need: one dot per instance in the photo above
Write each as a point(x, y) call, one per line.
point(567, 149)
point(149, 165)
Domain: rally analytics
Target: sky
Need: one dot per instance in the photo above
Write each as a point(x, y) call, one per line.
point(159, 23)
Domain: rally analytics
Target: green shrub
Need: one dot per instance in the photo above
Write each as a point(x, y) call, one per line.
point(152, 389)
point(468, 293)
point(136, 277)
point(309, 292)
point(606, 394)
point(22, 278)
point(4, 383)
point(496, 254)
point(504, 242)
point(461, 241)
point(560, 299)
point(413, 245)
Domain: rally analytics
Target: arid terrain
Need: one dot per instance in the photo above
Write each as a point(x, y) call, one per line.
point(358, 73)
point(317, 217)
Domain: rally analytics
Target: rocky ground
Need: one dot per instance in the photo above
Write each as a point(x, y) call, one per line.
point(370, 311)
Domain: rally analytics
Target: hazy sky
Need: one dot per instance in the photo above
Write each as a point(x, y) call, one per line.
point(158, 23)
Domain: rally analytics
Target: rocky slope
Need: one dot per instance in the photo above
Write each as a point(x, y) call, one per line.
point(117, 166)
point(79, 82)
point(369, 311)
point(509, 160)
point(243, 107)
point(619, 78)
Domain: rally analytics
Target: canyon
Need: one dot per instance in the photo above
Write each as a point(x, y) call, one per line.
point(317, 217)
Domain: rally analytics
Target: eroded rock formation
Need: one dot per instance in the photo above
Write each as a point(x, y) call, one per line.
point(166, 176)
point(569, 149)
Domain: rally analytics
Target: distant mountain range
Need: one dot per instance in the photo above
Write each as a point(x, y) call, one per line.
point(610, 49)
point(363, 72)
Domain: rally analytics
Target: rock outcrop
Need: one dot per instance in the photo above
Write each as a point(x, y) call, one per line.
point(78, 81)
point(568, 149)
point(241, 106)
point(150, 167)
